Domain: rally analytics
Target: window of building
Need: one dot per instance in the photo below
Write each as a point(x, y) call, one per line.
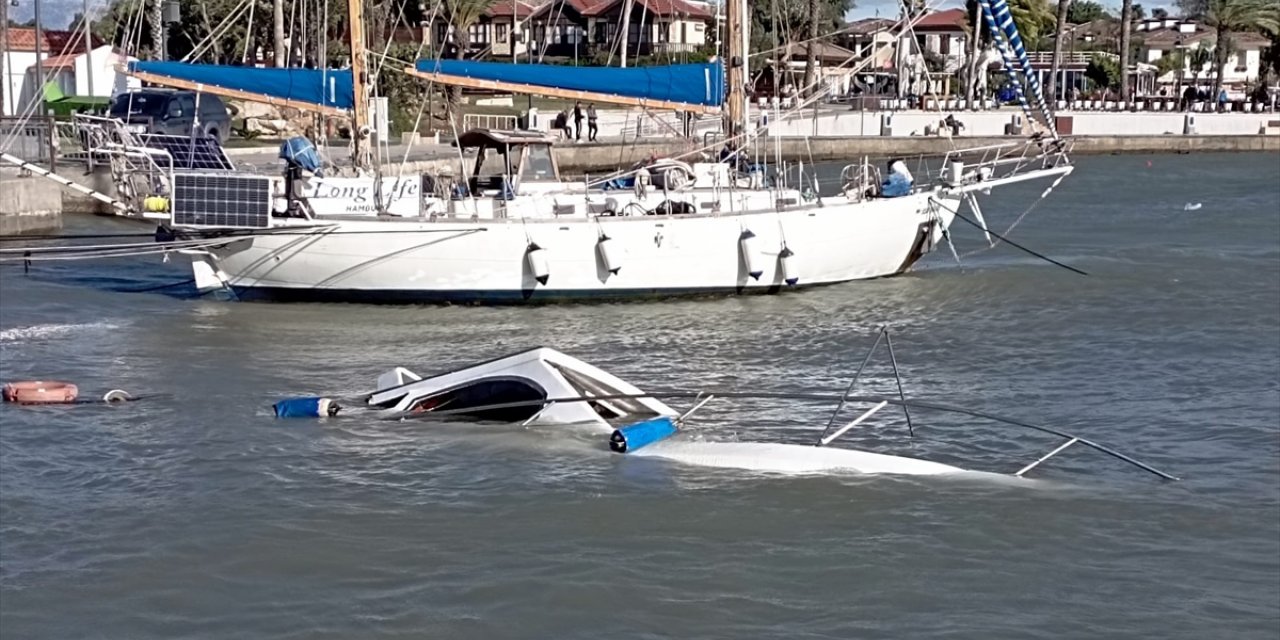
point(500, 31)
point(478, 34)
point(944, 45)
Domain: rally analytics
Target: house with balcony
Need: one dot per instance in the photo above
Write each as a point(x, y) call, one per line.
point(945, 34)
point(1163, 37)
point(870, 38)
point(656, 27)
point(523, 30)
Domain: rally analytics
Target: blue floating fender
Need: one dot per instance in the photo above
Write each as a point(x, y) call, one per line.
point(633, 437)
point(313, 407)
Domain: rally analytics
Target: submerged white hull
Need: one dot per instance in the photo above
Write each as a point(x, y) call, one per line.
point(486, 260)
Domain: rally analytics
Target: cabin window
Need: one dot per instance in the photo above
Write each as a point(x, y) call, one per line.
point(537, 164)
point(486, 393)
point(500, 32)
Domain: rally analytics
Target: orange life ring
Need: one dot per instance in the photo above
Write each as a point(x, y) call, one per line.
point(40, 392)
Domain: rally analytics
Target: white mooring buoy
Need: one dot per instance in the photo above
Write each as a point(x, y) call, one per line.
point(790, 266)
point(607, 249)
point(536, 258)
point(749, 244)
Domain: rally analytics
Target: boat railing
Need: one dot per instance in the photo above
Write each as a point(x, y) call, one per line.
point(1002, 161)
point(137, 171)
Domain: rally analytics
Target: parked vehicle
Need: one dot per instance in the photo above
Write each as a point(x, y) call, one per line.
point(172, 112)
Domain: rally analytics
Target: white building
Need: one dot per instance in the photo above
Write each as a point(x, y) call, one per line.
point(63, 60)
point(1162, 37)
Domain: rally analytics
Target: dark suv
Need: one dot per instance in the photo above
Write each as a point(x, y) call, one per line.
point(172, 112)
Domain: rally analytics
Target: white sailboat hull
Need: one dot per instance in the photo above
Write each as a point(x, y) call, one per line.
point(469, 261)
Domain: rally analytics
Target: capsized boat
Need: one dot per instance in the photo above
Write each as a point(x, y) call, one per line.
point(543, 386)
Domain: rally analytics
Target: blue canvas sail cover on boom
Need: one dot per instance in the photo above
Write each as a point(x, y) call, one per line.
point(321, 87)
point(699, 84)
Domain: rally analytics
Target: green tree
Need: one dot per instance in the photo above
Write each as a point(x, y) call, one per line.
point(1271, 57)
point(1104, 72)
point(1198, 57)
point(1034, 18)
point(1174, 61)
point(1086, 11)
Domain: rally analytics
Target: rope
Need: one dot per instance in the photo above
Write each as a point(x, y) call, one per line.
point(1011, 243)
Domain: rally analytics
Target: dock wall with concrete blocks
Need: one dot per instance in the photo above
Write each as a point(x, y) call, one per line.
point(28, 204)
point(898, 124)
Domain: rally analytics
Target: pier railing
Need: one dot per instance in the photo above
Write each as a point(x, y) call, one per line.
point(32, 139)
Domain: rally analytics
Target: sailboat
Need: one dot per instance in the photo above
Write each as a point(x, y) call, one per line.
point(513, 231)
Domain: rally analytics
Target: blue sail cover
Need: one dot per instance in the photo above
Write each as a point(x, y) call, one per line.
point(322, 87)
point(695, 84)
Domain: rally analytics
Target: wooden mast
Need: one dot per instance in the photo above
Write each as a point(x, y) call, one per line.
point(360, 125)
point(736, 66)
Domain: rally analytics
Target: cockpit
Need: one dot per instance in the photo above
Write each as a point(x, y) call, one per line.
point(505, 160)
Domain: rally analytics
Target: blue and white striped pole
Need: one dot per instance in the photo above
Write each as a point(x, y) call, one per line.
point(1006, 57)
point(1000, 10)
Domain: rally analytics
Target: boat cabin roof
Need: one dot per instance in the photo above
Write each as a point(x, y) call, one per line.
point(497, 139)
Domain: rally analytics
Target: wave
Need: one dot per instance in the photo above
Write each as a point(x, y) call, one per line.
point(43, 331)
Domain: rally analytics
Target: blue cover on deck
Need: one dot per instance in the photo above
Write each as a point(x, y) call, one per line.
point(698, 84)
point(324, 87)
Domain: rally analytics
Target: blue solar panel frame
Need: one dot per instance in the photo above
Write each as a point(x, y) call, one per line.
point(221, 200)
point(200, 152)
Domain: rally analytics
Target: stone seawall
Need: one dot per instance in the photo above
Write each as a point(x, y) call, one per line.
point(28, 204)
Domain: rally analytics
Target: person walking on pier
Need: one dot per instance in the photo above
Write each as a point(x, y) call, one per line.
point(592, 129)
point(577, 120)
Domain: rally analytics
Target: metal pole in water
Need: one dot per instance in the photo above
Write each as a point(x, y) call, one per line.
point(857, 421)
point(1047, 456)
point(897, 378)
point(844, 396)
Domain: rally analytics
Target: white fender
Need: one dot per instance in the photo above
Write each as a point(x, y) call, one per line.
point(749, 245)
point(536, 258)
point(609, 254)
point(790, 266)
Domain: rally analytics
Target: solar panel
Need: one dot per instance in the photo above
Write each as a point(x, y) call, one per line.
point(224, 200)
point(190, 153)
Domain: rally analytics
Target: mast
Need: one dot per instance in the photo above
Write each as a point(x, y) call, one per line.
point(736, 65)
point(626, 31)
point(359, 76)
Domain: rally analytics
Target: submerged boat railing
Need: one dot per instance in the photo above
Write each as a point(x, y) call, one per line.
point(809, 397)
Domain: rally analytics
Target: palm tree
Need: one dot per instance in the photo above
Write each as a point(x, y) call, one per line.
point(1229, 16)
point(811, 58)
point(1199, 57)
point(155, 19)
point(1063, 7)
point(1126, 29)
point(277, 33)
point(1033, 18)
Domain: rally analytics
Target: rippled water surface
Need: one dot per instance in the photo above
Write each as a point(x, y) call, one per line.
point(196, 514)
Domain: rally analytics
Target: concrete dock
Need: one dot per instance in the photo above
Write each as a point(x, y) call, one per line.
point(28, 204)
